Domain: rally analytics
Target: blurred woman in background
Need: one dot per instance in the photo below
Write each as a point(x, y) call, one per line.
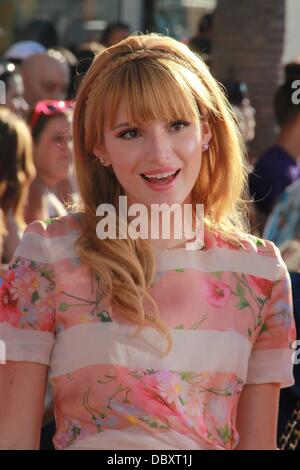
point(50, 123)
point(16, 173)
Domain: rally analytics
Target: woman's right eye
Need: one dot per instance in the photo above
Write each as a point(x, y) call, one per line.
point(129, 134)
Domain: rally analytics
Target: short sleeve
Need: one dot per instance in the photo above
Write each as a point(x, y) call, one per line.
point(271, 359)
point(27, 301)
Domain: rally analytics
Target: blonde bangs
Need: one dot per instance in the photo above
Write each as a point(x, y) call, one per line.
point(150, 90)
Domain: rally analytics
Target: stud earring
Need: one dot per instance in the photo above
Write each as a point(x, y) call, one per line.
point(205, 147)
point(102, 161)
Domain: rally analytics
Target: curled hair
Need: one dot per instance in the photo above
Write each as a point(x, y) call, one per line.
point(146, 72)
point(16, 165)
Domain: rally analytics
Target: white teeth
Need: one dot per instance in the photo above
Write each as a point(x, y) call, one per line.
point(161, 175)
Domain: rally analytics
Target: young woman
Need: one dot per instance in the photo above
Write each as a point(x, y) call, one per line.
point(50, 124)
point(151, 345)
point(16, 174)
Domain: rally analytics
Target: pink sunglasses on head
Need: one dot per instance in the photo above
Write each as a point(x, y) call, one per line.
point(50, 107)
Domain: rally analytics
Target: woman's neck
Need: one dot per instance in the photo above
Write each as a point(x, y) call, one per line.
point(170, 227)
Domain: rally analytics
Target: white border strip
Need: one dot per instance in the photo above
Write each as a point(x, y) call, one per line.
point(110, 343)
point(135, 438)
point(50, 250)
point(271, 366)
point(26, 345)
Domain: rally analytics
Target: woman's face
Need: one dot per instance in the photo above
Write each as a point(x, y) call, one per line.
point(156, 162)
point(52, 152)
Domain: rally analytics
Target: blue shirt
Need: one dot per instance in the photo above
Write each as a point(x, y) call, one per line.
point(283, 223)
point(273, 172)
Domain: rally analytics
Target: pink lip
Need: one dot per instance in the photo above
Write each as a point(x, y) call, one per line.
point(164, 169)
point(155, 186)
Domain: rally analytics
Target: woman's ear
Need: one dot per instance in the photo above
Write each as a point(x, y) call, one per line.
point(99, 153)
point(206, 133)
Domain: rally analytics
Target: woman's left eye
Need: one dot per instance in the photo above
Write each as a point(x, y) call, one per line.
point(129, 134)
point(179, 125)
point(59, 140)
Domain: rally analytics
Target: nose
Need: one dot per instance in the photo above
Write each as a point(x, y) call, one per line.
point(157, 147)
point(67, 151)
point(65, 145)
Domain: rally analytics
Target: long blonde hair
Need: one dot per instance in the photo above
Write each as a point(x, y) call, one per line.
point(158, 78)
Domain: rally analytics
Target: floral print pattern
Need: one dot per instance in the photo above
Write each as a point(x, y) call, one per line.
point(92, 398)
point(159, 400)
point(216, 292)
point(27, 295)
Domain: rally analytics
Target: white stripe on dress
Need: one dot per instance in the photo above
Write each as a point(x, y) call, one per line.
point(46, 250)
point(50, 250)
point(26, 345)
point(271, 366)
point(135, 438)
point(218, 259)
point(110, 343)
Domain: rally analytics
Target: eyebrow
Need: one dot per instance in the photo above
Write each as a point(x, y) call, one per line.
point(122, 124)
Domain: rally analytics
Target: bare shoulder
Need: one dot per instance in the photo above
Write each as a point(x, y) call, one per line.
point(56, 226)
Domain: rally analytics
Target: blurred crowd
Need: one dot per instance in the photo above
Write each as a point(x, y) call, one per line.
point(36, 171)
point(37, 179)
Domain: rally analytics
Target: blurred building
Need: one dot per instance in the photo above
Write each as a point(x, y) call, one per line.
point(251, 39)
point(178, 18)
point(83, 20)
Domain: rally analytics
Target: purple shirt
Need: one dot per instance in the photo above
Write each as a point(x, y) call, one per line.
point(273, 172)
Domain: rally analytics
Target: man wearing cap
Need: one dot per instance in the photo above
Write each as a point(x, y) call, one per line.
point(21, 50)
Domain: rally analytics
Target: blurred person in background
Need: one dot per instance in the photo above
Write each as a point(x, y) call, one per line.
point(114, 33)
point(283, 228)
point(42, 31)
point(279, 166)
point(17, 171)
point(292, 69)
point(85, 53)
point(50, 123)
point(201, 43)
point(22, 50)
point(237, 93)
point(14, 89)
point(46, 77)
point(72, 62)
point(283, 224)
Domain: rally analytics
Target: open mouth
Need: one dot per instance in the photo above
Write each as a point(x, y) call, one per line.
point(162, 178)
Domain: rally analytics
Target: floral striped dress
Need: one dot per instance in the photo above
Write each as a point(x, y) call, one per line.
point(229, 310)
